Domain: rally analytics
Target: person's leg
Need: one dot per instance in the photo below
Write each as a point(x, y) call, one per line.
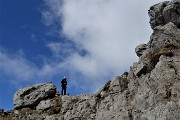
point(62, 91)
point(65, 91)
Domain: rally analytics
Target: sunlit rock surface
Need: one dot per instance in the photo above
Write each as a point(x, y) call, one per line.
point(32, 95)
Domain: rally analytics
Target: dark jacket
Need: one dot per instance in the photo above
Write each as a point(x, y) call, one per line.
point(64, 82)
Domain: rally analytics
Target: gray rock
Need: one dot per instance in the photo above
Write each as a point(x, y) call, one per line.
point(165, 12)
point(31, 96)
point(140, 49)
point(165, 36)
point(46, 104)
point(1, 111)
point(16, 112)
point(155, 14)
point(118, 85)
point(141, 69)
point(171, 12)
point(54, 117)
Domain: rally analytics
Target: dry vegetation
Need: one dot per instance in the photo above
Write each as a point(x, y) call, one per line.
point(153, 56)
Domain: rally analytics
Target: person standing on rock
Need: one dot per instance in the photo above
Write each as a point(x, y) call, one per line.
point(63, 85)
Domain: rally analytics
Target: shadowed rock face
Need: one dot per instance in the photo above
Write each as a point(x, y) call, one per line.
point(140, 49)
point(165, 12)
point(149, 91)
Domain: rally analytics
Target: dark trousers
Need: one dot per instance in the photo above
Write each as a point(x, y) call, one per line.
point(63, 92)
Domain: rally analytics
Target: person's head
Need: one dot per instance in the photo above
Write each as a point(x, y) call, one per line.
point(64, 77)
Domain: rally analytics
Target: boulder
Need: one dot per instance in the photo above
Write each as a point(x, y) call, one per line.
point(31, 96)
point(140, 49)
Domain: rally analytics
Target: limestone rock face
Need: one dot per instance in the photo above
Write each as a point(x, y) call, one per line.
point(31, 96)
point(165, 36)
point(165, 12)
point(150, 90)
point(46, 104)
point(141, 69)
point(79, 107)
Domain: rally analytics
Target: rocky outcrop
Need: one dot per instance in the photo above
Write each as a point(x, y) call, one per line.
point(140, 49)
point(165, 12)
point(31, 96)
point(1, 111)
point(149, 91)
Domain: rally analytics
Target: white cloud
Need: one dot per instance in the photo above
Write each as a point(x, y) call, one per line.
point(101, 36)
point(19, 69)
point(108, 30)
point(33, 37)
point(60, 50)
point(15, 65)
point(47, 18)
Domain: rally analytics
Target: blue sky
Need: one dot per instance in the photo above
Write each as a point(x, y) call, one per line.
point(89, 41)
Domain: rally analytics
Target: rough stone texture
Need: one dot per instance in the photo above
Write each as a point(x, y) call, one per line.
point(46, 104)
point(141, 69)
point(81, 107)
point(165, 12)
point(165, 36)
point(149, 91)
point(140, 49)
point(1, 111)
point(31, 96)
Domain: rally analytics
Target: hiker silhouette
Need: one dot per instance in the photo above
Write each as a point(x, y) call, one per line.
point(63, 85)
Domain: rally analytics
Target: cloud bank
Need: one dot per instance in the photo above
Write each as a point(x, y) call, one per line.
point(100, 37)
point(17, 66)
point(107, 31)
